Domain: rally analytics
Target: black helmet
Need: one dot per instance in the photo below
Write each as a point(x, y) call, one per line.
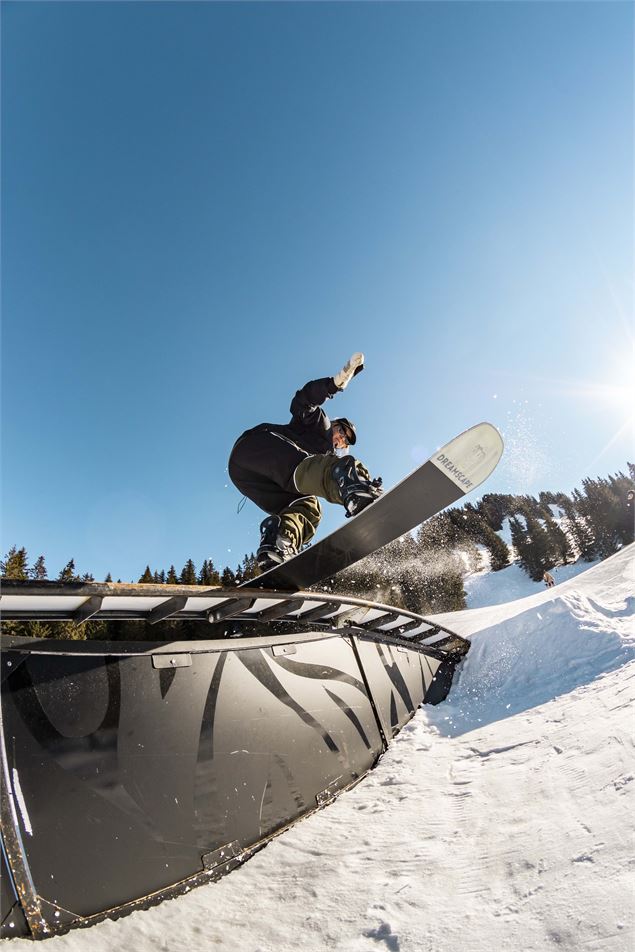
point(348, 427)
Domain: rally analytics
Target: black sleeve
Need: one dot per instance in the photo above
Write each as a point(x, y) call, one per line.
point(312, 396)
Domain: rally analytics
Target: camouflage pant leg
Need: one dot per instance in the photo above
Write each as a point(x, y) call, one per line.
point(315, 475)
point(300, 520)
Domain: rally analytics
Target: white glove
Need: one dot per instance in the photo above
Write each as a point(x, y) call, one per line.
point(352, 366)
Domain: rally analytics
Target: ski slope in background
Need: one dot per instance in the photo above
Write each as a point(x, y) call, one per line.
point(509, 584)
point(493, 588)
point(501, 818)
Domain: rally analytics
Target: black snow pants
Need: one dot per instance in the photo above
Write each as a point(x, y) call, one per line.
point(261, 466)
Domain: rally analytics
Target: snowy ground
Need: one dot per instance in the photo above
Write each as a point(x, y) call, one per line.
point(493, 588)
point(501, 818)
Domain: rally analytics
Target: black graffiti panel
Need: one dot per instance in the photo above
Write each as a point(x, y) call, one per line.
point(395, 677)
point(126, 777)
point(292, 741)
point(104, 765)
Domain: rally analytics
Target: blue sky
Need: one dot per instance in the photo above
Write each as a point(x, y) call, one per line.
point(205, 205)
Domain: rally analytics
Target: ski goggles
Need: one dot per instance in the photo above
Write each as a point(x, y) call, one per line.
point(347, 429)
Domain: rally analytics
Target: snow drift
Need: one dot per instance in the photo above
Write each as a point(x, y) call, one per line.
point(527, 653)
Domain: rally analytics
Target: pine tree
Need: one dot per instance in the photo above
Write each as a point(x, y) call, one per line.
point(494, 508)
point(108, 578)
point(580, 536)
point(623, 489)
point(439, 531)
point(440, 584)
point(520, 540)
point(500, 556)
point(559, 542)
point(228, 579)
point(540, 553)
point(602, 510)
point(188, 575)
point(208, 575)
point(173, 578)
point(15, 564)
point(478, 529)
point(426, 570)
point(548, 499)
point(147, 578)
point(467, 531)
point(38, 571)
point(68, 573)
point(249, 567)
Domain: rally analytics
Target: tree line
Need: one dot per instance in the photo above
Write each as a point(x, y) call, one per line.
point(424, 571)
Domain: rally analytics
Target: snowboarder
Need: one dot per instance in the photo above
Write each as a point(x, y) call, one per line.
point(549, 580)
point(283, 468)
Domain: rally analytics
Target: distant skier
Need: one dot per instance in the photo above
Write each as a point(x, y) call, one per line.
point(549, 580)
point(283, 468)
point(629, 517)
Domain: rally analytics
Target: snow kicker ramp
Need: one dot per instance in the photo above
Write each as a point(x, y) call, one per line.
point(134, 771)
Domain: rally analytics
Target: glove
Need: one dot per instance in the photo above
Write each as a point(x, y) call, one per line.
point(353, 366)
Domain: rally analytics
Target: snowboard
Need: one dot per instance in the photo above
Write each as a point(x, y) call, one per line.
point(450, 473)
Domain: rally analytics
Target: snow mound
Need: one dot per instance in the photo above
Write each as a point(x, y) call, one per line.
point(531, 651)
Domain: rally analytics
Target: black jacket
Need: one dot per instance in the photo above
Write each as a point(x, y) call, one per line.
point(264, 459)
point(309, 428)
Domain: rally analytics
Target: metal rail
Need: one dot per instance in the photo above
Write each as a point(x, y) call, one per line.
point(104, 601)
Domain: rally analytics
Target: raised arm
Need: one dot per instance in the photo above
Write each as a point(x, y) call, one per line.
point(311, 397)
point(307, 400)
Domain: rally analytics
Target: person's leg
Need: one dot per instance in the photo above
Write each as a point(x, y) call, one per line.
point(314, 476)
point(284, 533)
point(343, 480)
point(299, 521)
point(261, 467)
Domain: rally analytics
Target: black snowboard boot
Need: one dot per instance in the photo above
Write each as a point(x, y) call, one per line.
point(274, 546)
point(356, 492)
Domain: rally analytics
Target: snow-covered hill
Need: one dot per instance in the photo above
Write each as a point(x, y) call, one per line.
point(501, 818)
point(484, 587)
point(494, 588)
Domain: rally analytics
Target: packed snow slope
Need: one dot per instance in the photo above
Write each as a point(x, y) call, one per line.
point(502, 818)
point(533, 649)
point(485, 587)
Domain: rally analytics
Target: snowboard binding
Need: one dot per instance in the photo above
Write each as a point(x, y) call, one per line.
point(356, 491)
point(274, 547)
